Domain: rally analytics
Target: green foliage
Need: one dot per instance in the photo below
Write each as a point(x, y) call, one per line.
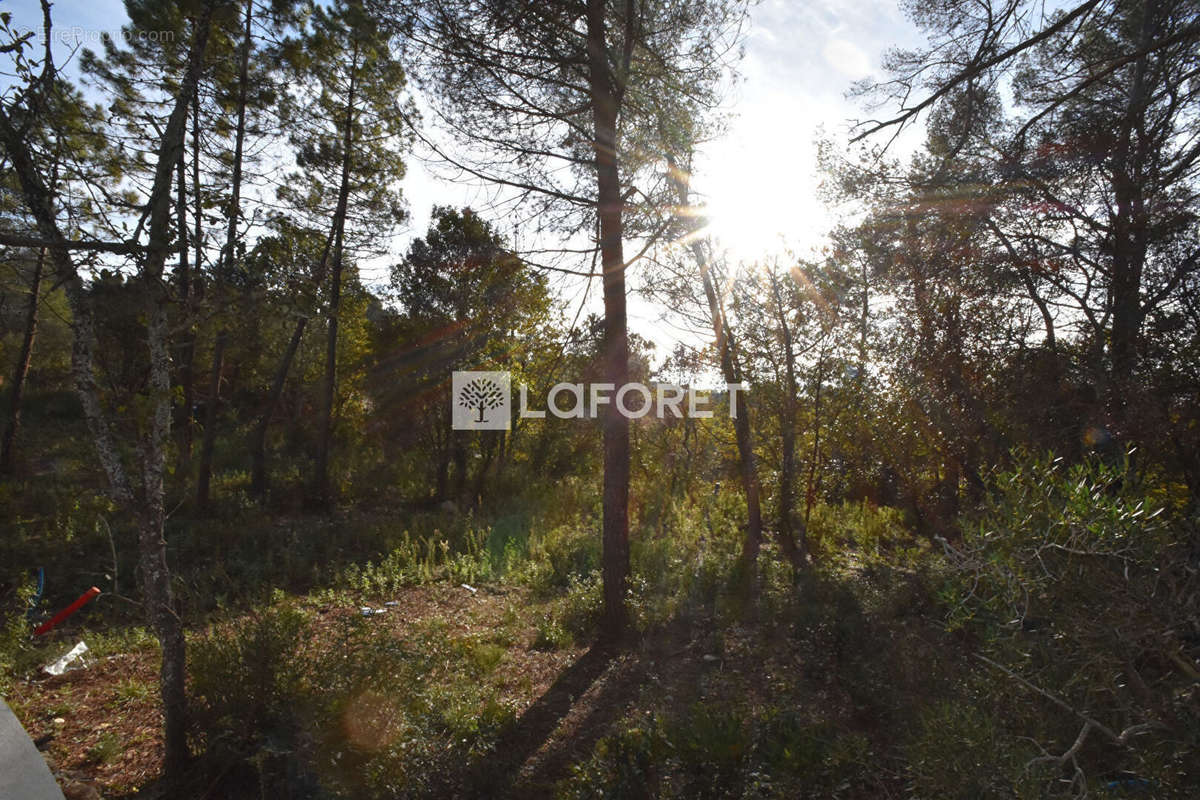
point(14, 629)
point(354, 711)
point(1077, 585)
point(247, 681)
point(106, 749)
point(563, 554)
point(422, 560)
point(132, 690)
point(113, 640)
point(865, 529)
point(964, 751)
point(622, 765)
point(719, 749)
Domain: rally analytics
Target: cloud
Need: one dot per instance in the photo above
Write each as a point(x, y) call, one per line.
point(847, 58)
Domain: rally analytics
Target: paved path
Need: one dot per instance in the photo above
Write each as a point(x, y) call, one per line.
point(23, 772)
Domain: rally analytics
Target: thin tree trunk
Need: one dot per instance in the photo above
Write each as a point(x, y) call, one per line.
point(1030, 287)
point(40, 200)
point(258, 446)
point(458, 454)
point(787, 429)
point(24, 358)
point(490, 441)
point(605, 108)
point(233, 214)
point(146, 505)
point(210, 423)
point(198, 210)
point(810, 493)
point(187, 351)
point(743, 433)
point(321, 488)
point(155, 573)
point(1129, 240)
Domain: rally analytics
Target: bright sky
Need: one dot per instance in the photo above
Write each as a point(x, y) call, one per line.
point(801, 57)
point(759, 181)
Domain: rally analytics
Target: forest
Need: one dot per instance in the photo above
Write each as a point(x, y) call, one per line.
point(304, 498)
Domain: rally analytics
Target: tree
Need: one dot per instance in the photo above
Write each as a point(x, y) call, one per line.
point(144, 498)
point(563, 103)
point(21, 371)
point(469, 303)
point(723, 339)
point(1088, 177)
point(348, 131)
point(227, 255)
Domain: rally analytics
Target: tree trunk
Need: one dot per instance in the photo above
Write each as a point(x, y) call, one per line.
point(40, 200)
point(233, 213)
point(458, 455)
point(321, 487)
point(146, 505)
point(156, 576)
point(615, 552)
point(24, 358)
point(747, 462)
point(787, 428)
point(187, 350)
point(1129, 241)
point(258, 446)
point(810, 493)
point(210, 423)
point(490, 441)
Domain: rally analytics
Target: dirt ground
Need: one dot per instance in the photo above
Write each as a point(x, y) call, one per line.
point(100, 727)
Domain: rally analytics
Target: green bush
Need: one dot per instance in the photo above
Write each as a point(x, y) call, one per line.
point(248, 684)
point(862, 528)
point(416, 560)
point(564, 553)
point(14, 629)
point(1078, 588)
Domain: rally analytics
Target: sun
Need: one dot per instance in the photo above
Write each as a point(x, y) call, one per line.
point(752, 214)
point(759, 186)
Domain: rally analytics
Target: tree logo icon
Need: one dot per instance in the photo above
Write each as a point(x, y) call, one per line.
point(481, 401)
point(482, 395)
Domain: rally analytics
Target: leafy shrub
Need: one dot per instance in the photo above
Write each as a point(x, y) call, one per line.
point(106, 749)
point(1081, 592)
point(963, 750)
point(416, 560)
point(626, 764)
point(550, 634)
point(564, 553)
point(862, 528)
point(711, 740)
point(248, 685)
point(14, 629)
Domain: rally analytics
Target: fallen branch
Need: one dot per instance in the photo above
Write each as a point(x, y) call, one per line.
point(1120, 739)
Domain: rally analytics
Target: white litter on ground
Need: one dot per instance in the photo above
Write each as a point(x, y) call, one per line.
point(68, 661)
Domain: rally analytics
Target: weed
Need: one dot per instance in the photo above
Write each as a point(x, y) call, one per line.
point(107, 749)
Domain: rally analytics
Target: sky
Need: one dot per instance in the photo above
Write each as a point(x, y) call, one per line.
point(758, 181)
point(801, 58)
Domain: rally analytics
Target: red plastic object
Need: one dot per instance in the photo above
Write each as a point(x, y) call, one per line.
point(83, 600)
